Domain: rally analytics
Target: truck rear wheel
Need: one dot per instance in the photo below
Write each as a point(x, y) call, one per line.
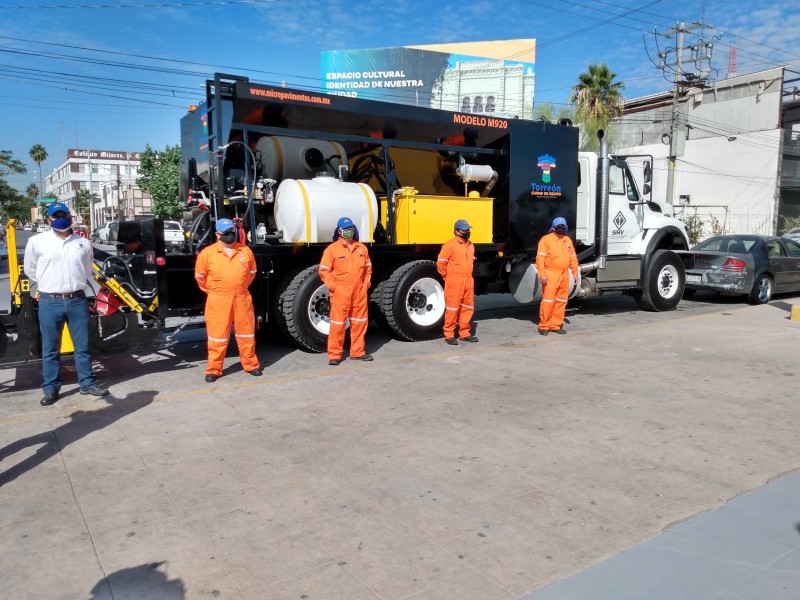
point(302, 309)
point(375, 300)
point(663, 282)
point(413, 301)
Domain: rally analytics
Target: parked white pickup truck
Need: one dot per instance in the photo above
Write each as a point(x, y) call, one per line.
point(174, 238)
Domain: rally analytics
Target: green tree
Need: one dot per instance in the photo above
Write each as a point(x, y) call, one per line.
point(14, 205)
point(38, 155)
point(160, 174)
point(547, 110)
point(597, 99)
point(9, 164)
point(32, 191)
point(83, 201)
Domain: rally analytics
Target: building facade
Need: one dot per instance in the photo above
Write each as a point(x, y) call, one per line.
point(729, 150)
point(110, 176)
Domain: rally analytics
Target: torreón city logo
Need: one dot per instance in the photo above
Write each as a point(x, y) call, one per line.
point(546, 163)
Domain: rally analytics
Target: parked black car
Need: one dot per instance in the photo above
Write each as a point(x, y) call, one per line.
point(753, 265)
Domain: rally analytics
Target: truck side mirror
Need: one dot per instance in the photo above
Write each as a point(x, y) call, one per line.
point(648, 174)
point(646, 189)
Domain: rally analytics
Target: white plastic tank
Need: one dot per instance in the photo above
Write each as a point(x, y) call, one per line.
point(307, 210)
point(298, 158)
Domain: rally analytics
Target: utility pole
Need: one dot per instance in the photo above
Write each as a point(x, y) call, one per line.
point(676, 137)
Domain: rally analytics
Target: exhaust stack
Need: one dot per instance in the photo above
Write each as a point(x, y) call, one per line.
point(602, 240)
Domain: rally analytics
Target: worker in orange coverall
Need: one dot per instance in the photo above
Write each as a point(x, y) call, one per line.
point(455, 266)
point(555, 258)
point(347, 271)
point(224, 271)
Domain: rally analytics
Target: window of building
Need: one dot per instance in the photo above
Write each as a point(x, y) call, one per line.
point(490, 106)
point(478, 104)
point(465, 104)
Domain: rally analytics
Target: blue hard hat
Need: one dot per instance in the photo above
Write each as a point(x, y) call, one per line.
point(559, 221)
point(224, 225)
point(57, 207)
point(345, 223)
point(462, 225)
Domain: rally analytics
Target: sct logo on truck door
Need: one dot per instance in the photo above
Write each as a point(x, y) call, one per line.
point(619, 222)
point(546, 163)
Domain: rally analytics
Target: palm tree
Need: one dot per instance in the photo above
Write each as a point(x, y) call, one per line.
point(32, 191)
point(598, 99)
point(38, 155)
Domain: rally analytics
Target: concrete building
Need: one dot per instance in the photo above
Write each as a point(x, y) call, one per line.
point(109, 175)
point(733, 166)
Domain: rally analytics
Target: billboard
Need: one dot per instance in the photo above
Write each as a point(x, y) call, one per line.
point(485, 78)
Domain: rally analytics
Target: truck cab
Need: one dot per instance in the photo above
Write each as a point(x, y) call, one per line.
point(636, 223)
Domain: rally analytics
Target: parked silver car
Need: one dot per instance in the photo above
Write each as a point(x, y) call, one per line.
point(753, 265)
point(793, 234)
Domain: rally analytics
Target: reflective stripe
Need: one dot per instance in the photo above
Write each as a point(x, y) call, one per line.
point(336, 322)
point(365, 188)
point(307, 205)
point(560, 300)
point(245, 335)
point(467, 306)
point(548, 300)
point(254, 271)
point(324, 267)
point(443, 260)
point(217, 339)
point(200, 275)
point(359, 320)
point(448, 308)
point(367, 264)
point(542, 253)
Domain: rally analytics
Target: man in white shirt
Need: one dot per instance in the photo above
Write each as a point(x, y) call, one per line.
point(60, 262)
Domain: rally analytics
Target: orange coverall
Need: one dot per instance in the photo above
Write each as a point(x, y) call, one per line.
point(555, 258)
point(455, 266)
point(225, 279)
point(347, 271)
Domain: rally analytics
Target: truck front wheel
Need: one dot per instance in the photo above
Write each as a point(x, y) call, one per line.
point(302, 308)
point(413, 301)
point(663, 282)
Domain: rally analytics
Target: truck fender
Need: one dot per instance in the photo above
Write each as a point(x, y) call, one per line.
point(669, 237)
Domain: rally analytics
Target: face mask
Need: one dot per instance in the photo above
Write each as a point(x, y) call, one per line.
point(465, 235)
point(560, 230)
point(348, 234)
point(229, 236)
point(61, 224)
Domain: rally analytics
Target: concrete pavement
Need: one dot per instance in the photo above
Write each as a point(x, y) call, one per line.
point(505, 469)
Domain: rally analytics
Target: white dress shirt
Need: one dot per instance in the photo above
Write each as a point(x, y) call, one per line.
point(58, 266)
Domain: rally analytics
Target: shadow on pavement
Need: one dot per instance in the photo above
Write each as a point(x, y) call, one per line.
point(81, 424)
point(144, 581)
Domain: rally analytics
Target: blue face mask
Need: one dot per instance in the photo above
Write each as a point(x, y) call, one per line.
point(61, 224)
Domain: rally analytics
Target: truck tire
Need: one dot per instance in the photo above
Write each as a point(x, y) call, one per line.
point(413, 301)
point(302, 309)
point(663, 283)
point(375, 302)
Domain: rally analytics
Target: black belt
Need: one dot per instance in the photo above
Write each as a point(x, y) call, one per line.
point(67, 296)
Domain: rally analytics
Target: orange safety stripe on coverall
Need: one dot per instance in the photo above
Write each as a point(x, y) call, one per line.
point(347, 271)
point(454, 264)
point(555, 258)
point(225, 279)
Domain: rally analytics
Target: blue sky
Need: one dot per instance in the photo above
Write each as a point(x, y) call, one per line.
point(119, 74)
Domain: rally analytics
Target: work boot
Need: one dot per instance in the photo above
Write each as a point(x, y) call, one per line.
point(94, 390)
point(469, 338)
point(452, 341)
point(49, 398)
point(211, 378)
point(256, 372)
point(366, 357)
point(562, 331)
point(335, 361)
point(543, 332)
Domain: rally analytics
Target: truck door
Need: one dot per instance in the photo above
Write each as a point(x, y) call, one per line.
point(624, 209)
